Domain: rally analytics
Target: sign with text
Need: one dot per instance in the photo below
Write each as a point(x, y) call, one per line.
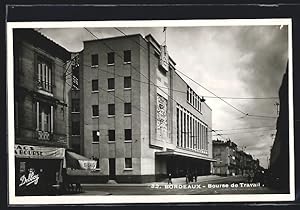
point(39, 152)
point(88, 164)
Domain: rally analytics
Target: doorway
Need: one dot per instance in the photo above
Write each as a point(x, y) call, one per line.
point(112, 168)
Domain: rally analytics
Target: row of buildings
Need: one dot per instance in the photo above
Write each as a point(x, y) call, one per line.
point(114, 103)
point(116, 109)
point(232, 161)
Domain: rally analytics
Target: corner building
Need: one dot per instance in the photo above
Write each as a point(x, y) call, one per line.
point(141, 120)
point(41, 111)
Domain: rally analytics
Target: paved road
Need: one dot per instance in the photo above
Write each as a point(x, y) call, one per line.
point(215, 185)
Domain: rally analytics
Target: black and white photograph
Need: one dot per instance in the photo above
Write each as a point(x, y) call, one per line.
point(150, 111)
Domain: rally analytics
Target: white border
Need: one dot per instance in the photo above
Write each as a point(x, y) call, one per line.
point(13, 200)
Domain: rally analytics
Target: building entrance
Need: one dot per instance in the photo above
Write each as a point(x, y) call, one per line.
point(112, 168)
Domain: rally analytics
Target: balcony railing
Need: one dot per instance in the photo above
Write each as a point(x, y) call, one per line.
point(46, 86)
point(44, 135)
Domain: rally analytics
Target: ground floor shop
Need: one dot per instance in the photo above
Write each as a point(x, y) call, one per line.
point(37, 168)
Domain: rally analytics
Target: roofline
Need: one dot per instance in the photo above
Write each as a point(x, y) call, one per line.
point(152, 37)
point(115, 37)
point(191, 88)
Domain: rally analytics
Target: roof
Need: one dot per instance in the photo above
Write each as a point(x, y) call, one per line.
point(40, 41)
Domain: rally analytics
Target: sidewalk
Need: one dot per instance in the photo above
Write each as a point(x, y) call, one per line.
point(180, 180)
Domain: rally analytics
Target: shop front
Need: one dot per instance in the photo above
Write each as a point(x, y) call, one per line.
point(37, 169)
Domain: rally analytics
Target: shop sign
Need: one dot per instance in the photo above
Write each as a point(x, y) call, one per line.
point(38, 152)
point(88, 164)
point(32, 178)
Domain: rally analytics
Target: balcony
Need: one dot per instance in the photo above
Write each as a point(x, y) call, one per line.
point(44, 135)
point(45, 87)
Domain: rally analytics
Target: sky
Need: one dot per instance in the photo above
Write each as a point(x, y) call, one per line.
point(230, 61)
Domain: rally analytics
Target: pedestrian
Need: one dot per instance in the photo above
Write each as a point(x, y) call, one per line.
point(187, 178)
point(170, 178)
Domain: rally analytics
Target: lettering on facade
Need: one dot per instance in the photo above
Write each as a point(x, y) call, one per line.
point(28, 151)
point(24, 150)
point(88, 164)
point(31, 179)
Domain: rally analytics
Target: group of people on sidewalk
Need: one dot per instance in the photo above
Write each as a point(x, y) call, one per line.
point(189, 177)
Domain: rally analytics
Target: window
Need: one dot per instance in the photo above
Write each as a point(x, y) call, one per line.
point(76, 128)
point(111, 135)
point(127, 56)
point(128, 134)
point(95, 110)
point(127, 108)
point(127, 82)
point(95, 60)
point(110, 58)
point(97, 160)
point(96, 135)
point(44, 74)
point(111, 109)
point(44, 123)
point(44, 117)
point(75, 106)
point(95, 85)
point(128, 163)
point(111, 84)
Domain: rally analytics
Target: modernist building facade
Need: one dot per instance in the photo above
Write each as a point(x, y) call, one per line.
point(134, 123)
point(41, 111)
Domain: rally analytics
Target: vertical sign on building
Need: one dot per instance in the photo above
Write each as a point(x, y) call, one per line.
point(164, 58)
point(162, 118)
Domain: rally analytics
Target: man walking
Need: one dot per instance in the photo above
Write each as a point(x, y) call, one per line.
point(170, 178)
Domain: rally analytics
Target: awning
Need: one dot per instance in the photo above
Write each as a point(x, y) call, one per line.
point(38, 152)
point(179, 153)
point(76, 161)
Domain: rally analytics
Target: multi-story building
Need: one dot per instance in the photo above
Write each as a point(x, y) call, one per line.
point(41, 111)
point(225, 154)
point(231, 161)
point(139, 119)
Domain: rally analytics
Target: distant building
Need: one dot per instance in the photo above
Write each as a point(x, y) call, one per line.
point(41, 111)
point(225, 154)
point(231, 161)
point(279, 160)
point(132, 121)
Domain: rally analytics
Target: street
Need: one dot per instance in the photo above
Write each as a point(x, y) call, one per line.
point(214, 185)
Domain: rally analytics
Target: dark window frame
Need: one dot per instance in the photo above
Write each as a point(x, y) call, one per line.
point(93, 111)
point(94, 60)
point(110, 83)
point(127, 56)
point(111, 58)
point(127, 108)
point(128, 163)
point(128, 134)
point(109, 107)
point(95, 85)
point(127, 82)
point(75, 105)
point(111, 135)
point(95, 137)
